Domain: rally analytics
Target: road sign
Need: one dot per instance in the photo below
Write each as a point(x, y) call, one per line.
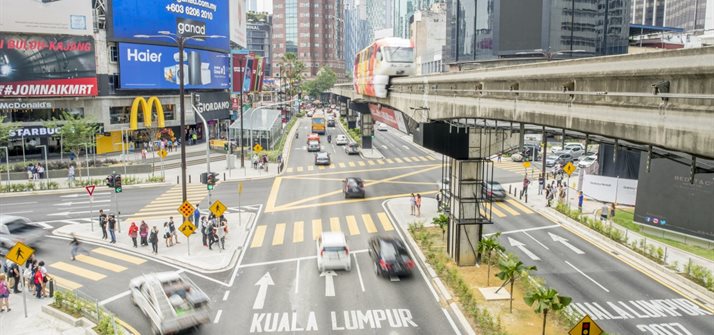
point(240, 187)
point(19, 253)
point(187, 228)
point(257, 148)
point(90, 189)
point(162, 153)
point(218, 208)
point(526, 164)
point(569, 168)
point(586, 326)
point(186, 209)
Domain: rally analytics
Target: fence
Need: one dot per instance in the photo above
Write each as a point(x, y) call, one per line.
point(80, 304)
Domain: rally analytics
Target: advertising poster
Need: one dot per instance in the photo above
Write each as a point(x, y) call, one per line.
point(144, 66)
point(256, 74)
point(67, 17)
point(238, 22)
point(239, 61)
point(182, 17)
point(388, 116)
point(47, 66)
point(248, 77)
point(262, 76)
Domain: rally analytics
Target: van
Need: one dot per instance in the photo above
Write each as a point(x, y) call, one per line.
point(332, 252)
point(313, 146)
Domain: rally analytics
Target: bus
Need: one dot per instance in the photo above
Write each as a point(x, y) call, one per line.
point(318, 123)
point(383, 59)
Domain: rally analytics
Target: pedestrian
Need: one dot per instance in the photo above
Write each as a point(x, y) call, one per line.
point(70, 176)
point(13, 273)
point(112, 225)
point(412, 203)
point(133, 233)
point(40, 171)
point(154, 239)
point(561, 194)
point(541, 183)
point(212, 237)
point(172, 230)
point(196, 215)
point(144, 232)
point(604, 211)
point(417, 204)
point(526, 182)
point(143, 154)
point(498, 157)
point(221, 232)
point(30, 173)
point(204, 231)
point(438, 200)
point(4, 294)
point(35, 174)
point(580, 201)
point(194, 138)
point(167, 235)
point(103, 223)
point(612, 211)
point(559, 177)
point(76, 247)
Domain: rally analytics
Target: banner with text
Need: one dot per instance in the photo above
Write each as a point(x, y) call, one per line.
point(388, 116)
point(239, 63)
point(238, 22)
point(69, 17)
point(610, 189)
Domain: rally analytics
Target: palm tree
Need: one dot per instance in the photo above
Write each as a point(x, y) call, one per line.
point(546, 299)
point(487, 246)
point(293, 72)
point(511, 269)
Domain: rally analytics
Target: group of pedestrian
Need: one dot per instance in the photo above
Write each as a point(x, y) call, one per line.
point(14, 276)
point(108, 223)
point(552, 190)
point(213, 231)
point(35, 171)
point(170, 233)
point(415, 204)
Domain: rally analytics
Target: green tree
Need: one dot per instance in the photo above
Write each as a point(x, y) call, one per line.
point(512, 269)
point(442, 221)
point(546, 299)
point(486, 247)
point(77, 132)
point(291, 72)
point(5, 129)
point(324, 81)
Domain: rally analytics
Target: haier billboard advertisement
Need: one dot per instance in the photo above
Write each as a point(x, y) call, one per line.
point(145, 66)
point(181, 17)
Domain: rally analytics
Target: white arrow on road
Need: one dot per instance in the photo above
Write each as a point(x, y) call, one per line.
point(263, 282)
point(405, 147)
point(565, 242)
point(81, 202)
point(385, 147)
point(329, 283)
point(520, 245)
point(70, 213)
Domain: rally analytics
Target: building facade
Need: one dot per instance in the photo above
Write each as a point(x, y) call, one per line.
point(429, 35)
point(690, 15)
point(358, 31)
point(311, 29)
point(259, 32)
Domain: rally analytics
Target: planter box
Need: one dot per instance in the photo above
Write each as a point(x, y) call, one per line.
point(81, 322)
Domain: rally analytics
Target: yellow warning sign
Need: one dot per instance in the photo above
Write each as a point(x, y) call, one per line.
point(162, 153)
point(218, 208)
point(526, 164)
point(186, 209)
point(240, 187)
point(586, 326)
point(569, 168)
point(257, 148)
point(187, 228)
point(19, 253)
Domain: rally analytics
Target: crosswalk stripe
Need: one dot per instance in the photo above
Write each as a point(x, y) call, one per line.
point(279, 234)
point(335, 224)
point(497, 212)
point(369, 224)
point(298, 234)
point(351, 164)
point(407, 159)
point(384, 220)
point(332, 166)
point(289, 170)
point(316, 228)
point(506, 208)
point(520, 206)
point(299, 169)
point(342, 164)
point(259, 236)
point(389, 161)
point(352, 225)
point(380, 161)
point(370, 162)
point(66, 283)
point(310, 168)
point(398, 160)
point(321, 167)
point(78, 271)
point(119, 255)
point(100, 263)
point(360, 163)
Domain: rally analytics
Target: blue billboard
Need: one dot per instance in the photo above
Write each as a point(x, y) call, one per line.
point(144, 66)
point(181, 17)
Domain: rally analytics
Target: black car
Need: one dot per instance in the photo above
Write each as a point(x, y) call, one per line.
point(330, 122)
point(353, 187)
point(494, 191)
point(352, 149)
point(390, 257)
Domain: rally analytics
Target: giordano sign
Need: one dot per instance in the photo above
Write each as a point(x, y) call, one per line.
point(147, 108)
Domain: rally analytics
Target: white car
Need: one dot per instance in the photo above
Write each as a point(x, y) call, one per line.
point(333, 252)
point(382, 127)
point(341, 140)
point(587, 161)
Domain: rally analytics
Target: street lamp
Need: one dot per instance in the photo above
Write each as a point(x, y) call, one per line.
point(7, 163)
point(47, 167)
point(181, 42)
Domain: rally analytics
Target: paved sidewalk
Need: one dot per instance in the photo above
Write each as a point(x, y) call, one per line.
point(37, 322)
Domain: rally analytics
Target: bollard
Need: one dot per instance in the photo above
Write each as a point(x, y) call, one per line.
point(189, 179)
point(509, 189)
point(224, 176)
point(177, 180)
point(526, 195)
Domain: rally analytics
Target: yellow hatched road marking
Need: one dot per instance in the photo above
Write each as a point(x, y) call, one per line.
point(316, 228)
point(352, 225)
point(258, 237)
point(100, 263)
point(360, 163)
point(369, 224)
point(351, 164)
point(506, 208)
point(519, 206)
point(407, 159)
point(289, 170)
point(497, 212)
point(335, 224)
point(119, 256)
point(380, 161)
point(66, 283)
point(299, 169)
point(321, 167)
point(76, 270)
point(425, 158)
point(298, 231)
point(389, 161)
point(398, 160)
point(370, 162)
point(384, 220)
point(279, 234)
point(310, 168)
point(342, 164)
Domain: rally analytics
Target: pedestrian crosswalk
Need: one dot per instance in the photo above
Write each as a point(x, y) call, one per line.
point(99, 264)
point(166, 204)
point(508, 207)
point(362, 163)
point(280, 233)
point(516, 167)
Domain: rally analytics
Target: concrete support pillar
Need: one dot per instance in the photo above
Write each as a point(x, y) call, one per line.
point(521, 136)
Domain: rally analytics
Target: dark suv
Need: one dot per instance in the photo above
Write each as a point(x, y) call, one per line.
point(353, 187)
point(390, 257)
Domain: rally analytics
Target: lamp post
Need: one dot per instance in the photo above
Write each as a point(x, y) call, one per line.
point(47, 167)
point(7, 164)
point(181, 42)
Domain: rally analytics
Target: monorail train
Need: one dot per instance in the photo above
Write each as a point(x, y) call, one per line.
point(381, 60)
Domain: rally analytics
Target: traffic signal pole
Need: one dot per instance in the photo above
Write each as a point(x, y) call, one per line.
point(208, 145)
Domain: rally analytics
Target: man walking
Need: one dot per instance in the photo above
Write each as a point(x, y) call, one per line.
point(154, 240)
point(103, 223)
point(112, 225)
point(580, 201)
point(76, 248)
point(172, 231)
point(196, 215)
point(541, 183)
point(70, 176)
point(526, 182)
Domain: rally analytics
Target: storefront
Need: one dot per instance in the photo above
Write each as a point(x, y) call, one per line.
point(215, 107)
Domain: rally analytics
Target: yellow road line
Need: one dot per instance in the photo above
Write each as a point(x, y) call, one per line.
point(360, 163)
point(352, 225)
point(299, 169)
point(258, 237)
point(351, 164)
point(119, 255)
point(407, 159)
point(398, 160)
point(78, 271)
point(332, 166)
point(100, 263)
point(389, 161)
point(384, 220)
point(380, 161)
point(66, 283)
point(335, 224)
point(289, 170)
point(370, 162)
point(341, 164)
point(279, 234)
point(369, 224)
point(298, 231)
point(321, 167)
point(273, 196)
point(316, 228)
point(497, 212)
point(506, 208)
point(519, 206)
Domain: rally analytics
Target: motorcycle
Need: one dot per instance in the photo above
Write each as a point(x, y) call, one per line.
point(329, 138)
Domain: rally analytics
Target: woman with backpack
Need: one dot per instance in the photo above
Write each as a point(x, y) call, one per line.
point(4, 294)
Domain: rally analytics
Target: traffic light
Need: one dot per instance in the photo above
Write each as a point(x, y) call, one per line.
point(225, 147)
point(117, 183)
point(212, 179)
point(204, 178)
point(110, 180)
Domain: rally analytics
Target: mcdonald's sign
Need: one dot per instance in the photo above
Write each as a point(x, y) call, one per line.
point(147, 107)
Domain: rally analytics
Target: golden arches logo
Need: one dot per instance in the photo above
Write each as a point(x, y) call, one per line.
point(147, 108)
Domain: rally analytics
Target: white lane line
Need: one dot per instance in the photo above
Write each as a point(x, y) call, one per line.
point(462, 319)
point(20, 203)
point(218, 316)
point(245, 243)
point(116, 297)
point(297, 276)
point(359, 273)
point(533, 238)
point(451, 321)
point(444, 291)
point(588, 277)
point(18, 212)
point(526, 229)
point(225, 295)
point(44, 225)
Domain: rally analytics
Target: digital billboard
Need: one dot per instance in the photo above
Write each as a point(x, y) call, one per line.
point(181, 17)
point(143, 66)
point(67, 17)
point(47, 65)
point(238, 22)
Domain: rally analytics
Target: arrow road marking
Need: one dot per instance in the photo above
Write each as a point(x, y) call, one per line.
point(329, 283)
point(263, 284)
point(520, 245)
point(565, 242)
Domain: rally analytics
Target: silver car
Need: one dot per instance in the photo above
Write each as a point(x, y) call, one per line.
point(15, 229)
point(322, 158)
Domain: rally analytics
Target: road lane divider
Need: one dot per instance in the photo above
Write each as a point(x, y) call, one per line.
point(279, 234)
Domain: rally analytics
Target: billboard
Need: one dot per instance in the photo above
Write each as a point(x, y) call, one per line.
point(239, 63)
point(238, 23)
point(144, 66)
point(388, 116)
point(67, 17)
point(248, 77)
point(183, 17)
point(213, 105)
point(47, 65)
point(610, 189)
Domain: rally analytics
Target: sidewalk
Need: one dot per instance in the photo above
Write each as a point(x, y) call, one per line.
point(200, 258)
point(37, 321)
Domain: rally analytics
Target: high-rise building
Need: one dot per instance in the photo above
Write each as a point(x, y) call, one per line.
point(429, 35)
point(402, 12)
point(259, 34)
point(358, 31)
point(311, 29)
point(690, 15)
point(251, 5)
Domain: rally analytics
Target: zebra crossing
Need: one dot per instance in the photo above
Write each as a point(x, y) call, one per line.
point(516, 167)
point(166, 204)
point(100, 264)
point(362, 163)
